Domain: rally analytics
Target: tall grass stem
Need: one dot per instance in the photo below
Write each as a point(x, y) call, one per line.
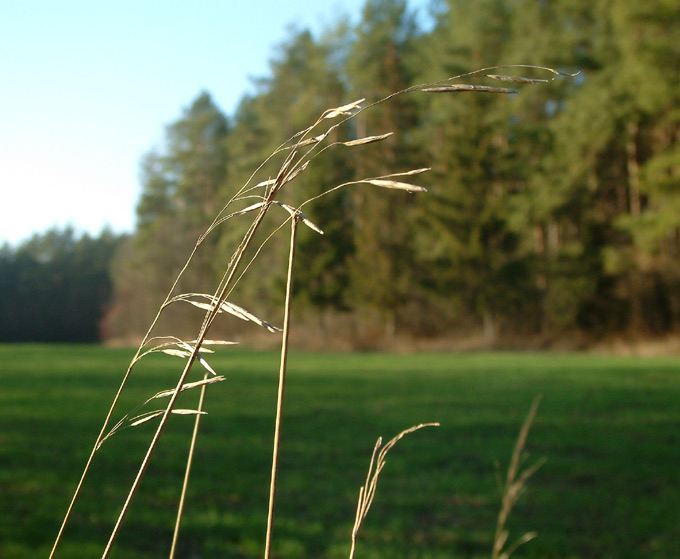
point(187, 472)
point(116, 398)
point(282, 382)
point(185, 373)
point(515, 484)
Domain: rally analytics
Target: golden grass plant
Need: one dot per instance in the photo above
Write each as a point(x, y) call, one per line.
point(257, 199)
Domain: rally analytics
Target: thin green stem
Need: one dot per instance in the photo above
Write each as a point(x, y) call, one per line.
point(282, 381)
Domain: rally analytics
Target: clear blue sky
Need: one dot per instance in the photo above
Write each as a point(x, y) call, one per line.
point(87, 87)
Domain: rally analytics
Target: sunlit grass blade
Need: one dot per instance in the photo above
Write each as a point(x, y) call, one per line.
point(460, 87)
point(148, 416)
point(367, 140)
point(517, 79)
point(243, 314)
point(385, 183)
point(344, 109)
point(189, 386)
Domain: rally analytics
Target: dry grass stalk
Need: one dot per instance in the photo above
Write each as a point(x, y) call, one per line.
point(515, 484)
point(367, 140)
point(344, 110)
point(456, 88)
point(187, 471)
point(375, 466)
point(223, 290)
point(396, 184)
point(127, 421)
point(282, 383)
point(517, 79)
point(299, 151)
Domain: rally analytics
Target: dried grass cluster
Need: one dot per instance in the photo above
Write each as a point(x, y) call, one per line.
point(257, 199)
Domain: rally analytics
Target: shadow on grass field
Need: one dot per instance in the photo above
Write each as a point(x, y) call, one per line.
point(609, 429)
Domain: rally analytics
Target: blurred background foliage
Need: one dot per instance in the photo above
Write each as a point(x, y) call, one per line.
point(552, 214)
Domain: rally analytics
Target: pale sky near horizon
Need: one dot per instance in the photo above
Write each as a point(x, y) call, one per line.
point(87, 88)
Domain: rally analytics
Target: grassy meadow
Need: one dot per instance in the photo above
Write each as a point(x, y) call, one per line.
point(608, 428)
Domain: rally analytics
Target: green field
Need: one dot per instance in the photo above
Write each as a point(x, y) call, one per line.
point(609, 429)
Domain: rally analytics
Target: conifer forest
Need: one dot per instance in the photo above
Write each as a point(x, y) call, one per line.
point(550, 214)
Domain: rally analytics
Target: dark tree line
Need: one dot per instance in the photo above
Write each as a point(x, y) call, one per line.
point(553, 212)
point(56, 287)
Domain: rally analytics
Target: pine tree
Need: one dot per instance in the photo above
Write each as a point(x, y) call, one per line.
point(181, 184)
point(472, 245)
point(304, 82)
point(616, 153)
point(379, 64)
